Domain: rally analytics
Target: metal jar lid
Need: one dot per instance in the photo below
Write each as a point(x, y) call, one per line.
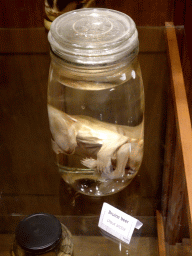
point(93, 36)
point(38, 233)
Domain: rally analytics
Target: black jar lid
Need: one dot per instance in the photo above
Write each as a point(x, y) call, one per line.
point(38, 233)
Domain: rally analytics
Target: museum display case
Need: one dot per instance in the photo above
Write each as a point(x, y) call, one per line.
point(160, 194)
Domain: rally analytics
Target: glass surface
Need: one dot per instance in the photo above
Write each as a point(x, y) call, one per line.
point(96, 100)
point(30, 182)
point(97, 126)
point(93, 36)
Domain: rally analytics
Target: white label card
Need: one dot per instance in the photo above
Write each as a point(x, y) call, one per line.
point(118, 223)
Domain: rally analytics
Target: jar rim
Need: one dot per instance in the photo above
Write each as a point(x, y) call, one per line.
point(38, 233)
point(93, 36)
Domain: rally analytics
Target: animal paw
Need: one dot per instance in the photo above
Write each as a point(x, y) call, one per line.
point(89, 163)
point(100, 166)
point(104, 165)
point(117, 174)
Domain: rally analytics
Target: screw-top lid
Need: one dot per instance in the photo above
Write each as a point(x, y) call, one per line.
point(93, 36)
point(38, 233)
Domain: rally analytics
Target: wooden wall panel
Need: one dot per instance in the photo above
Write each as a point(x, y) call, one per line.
point(187, 70)
point(145, 13)
point(179, 12)
point(24, 123)
point(22, 13)
point(23, 41)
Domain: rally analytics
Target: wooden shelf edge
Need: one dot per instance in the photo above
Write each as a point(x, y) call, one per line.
point(161, 234)
point(182, 111)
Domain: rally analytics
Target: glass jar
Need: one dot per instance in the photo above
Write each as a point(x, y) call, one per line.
point(96, 100)
point(42, 234)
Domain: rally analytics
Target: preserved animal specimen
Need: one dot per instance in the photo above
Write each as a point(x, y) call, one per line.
point(110, 148)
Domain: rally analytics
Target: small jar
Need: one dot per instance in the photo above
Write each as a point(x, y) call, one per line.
point(96, 100)
point(42, 234)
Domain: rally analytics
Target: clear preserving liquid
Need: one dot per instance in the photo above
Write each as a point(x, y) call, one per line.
point(107, 125)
